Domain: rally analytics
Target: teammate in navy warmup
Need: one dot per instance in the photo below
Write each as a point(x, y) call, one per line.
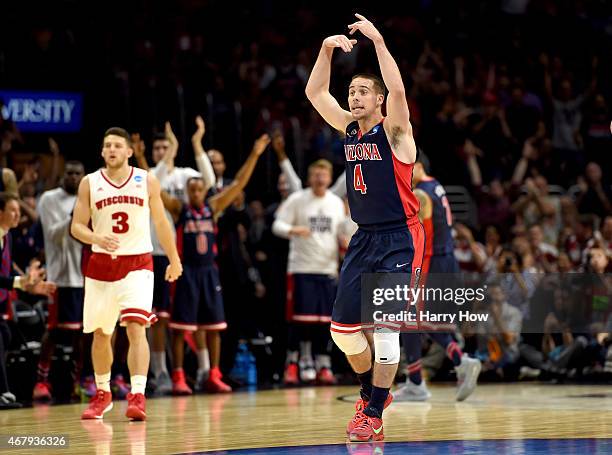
point(198, 303)
point(380, 154)
point(435, 214)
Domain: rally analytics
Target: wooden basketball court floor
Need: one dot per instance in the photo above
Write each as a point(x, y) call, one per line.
point(497, 419)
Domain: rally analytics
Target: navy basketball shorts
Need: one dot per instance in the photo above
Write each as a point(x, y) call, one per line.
point(66, 309)
point(161, 287)
point(198, 303)
point(390, 248)
point(310, 297)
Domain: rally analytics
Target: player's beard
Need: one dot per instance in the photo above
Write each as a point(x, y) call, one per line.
point(116, 164)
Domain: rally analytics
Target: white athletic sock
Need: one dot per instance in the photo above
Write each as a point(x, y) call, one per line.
point(306, 353)
point(158, 363)
point(203, 360)
point(292, 357)
point(103, 381)
point(139, 383)
point(322, 361)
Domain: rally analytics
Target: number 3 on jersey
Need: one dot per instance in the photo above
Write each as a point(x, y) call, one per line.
point(121, 226)
point(358, 181)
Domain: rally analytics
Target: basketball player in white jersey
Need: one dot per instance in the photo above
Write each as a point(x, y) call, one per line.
point(119, 200)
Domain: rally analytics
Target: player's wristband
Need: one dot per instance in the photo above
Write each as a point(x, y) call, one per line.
point(18, 283)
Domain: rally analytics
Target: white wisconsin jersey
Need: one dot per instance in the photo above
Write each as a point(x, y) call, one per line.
point(121, 210)
point(317, 253)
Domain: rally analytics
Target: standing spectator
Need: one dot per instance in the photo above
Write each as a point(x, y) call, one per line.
point(198, 302)
point(595, 194)
point(310, 218)
point(173, 180)
point(63, 257)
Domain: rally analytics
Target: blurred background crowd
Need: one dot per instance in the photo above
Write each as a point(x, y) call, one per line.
point(510, 108)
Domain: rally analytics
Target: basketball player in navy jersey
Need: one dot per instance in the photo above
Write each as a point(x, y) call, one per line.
point(436, 216)
point(198, 303)
point(380, 154)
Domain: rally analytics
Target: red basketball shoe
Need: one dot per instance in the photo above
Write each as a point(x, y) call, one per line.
point(214, 384)
point(136, 407)
point(101, 403)
point(368, 429)
point(360, 405)
point(179, 386)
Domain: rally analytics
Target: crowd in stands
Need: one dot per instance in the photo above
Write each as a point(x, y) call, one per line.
point(508, 100)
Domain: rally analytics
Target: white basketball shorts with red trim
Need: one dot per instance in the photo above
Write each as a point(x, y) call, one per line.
point(128, 299)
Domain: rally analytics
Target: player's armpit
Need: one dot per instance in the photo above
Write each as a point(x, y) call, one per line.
point(401, 142)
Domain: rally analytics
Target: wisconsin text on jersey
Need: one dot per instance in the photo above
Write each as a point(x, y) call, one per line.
point(119, 200)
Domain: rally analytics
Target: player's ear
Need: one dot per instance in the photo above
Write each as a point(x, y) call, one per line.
point(380, 99)
point(130, 151)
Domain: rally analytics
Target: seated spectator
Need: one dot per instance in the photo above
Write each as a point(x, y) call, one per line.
point(499, 335)
point(516, 280)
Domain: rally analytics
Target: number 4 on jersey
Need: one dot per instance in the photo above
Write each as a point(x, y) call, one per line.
point(358, 181)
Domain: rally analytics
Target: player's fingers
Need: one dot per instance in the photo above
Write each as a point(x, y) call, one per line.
point(353, 42)
point(360, 17)
point(348, 42)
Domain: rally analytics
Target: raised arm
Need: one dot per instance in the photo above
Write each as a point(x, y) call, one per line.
point(222, 200)
point(278, 145)
point(172, 205)
point(139, 151)
point(201, 158)
point(162, 229)
point(317, 88)
point(81, 216)
point(397, 124)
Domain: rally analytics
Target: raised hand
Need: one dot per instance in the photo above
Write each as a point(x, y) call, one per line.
point(200, 131)
point(138, 146)
point(261, 144)
point(366, 27)
point(340, 41)
point(172, 139)
point(53, 147)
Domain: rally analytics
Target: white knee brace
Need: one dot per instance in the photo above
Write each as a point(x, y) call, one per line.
point(386, 347)
point(350, 343)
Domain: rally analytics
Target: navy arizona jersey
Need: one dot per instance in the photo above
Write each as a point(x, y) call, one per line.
point(195, 233)
point(379, 186)
point(438, 229)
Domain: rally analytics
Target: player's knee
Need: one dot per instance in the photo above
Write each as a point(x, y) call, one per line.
point(386, 348)
point(135, 331)
point(350, 343)
point(101, 336)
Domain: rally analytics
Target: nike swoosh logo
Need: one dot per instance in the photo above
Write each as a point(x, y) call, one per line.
point(376, 431)
point(399, 266)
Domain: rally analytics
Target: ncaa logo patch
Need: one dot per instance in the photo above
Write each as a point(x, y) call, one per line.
point(374, 131)
point(138, 178)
